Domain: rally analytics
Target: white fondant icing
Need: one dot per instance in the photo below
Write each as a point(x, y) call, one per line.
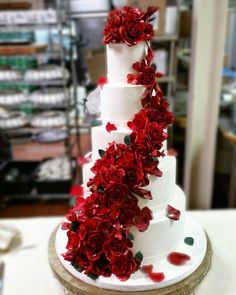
point(120, 59)
point(101, 138)
point(139, 281)
point(119, 103)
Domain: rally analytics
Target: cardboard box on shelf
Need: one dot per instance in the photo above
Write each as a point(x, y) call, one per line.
point(185, 24)
point(96, 63)
point(34, 151)
point(159, 21)
point(35, 4)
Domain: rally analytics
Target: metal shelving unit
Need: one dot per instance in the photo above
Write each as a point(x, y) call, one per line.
point(63, 22)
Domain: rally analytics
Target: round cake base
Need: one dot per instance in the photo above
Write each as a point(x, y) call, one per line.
point(179, 279)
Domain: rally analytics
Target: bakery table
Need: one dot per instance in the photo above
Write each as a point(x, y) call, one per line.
point(27, 270)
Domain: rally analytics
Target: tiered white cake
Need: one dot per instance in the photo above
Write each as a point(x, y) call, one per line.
point(120, 101)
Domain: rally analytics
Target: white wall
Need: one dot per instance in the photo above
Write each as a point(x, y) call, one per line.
point(208, 37)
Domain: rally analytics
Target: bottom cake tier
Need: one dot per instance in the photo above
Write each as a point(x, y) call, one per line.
point(140, 281)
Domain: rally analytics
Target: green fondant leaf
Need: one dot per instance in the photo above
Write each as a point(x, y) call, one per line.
point(101, 153)
point(139, 256)
point(100, 189)
point(92, 276)
point(127, 139)
point(71, 202)
point(130, 237)
point(155, 159)
point(189, 241)
point(74, 225)
point(79, 268)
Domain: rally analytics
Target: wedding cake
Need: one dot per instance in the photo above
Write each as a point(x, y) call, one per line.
point(128, 229)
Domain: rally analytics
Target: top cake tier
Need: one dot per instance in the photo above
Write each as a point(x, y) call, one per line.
point(120, 59)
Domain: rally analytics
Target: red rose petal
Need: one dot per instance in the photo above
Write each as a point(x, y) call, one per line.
point(65, 225)
point(172, 152)
point(77, 191)
point(178, 258)
point(156, 276)
point(147, 268)
point(159, 75)
point(81, 160)
point(110, 127)
point(172, 213)
point(102, 81)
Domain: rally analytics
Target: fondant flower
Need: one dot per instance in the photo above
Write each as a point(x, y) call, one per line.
point(133, 32)
point(147, 77)
point(126, 216)
point(140, 120)
point(123, 266)
point(114, 175)
point(155, 134)
point(161, 116)
point(94, 244)
point(116, 194)
point(102, 266)
point(114, 247)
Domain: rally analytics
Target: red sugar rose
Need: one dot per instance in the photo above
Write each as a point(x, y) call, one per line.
point(133, 32)
point(148, 76)
point(94, 243)
point(114, 175)
point(123, 266)
point(102, 266)
point(114, 247)
point(116, 194)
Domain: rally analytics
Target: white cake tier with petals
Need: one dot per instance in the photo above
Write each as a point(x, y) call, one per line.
point(163, 234)
point(162, 188)
point(101, 138)
point(120, 59)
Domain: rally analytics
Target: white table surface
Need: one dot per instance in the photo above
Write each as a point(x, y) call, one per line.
point(28, 272)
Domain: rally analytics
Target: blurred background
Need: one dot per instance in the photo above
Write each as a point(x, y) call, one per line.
point(52, 57)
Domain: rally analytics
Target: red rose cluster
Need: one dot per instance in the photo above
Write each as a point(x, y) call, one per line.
point(99, 236)
point(128, 25)
point(99, 241)
point(149, 124)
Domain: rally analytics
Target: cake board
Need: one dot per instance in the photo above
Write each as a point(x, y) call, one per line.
point(75, 286)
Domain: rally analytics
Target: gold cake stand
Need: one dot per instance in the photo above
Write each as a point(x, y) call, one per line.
point(74, 286)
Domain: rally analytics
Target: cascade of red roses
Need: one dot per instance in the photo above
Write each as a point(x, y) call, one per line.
point(99, 237)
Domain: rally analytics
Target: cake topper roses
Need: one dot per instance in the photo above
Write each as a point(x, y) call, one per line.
point(129, 25)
